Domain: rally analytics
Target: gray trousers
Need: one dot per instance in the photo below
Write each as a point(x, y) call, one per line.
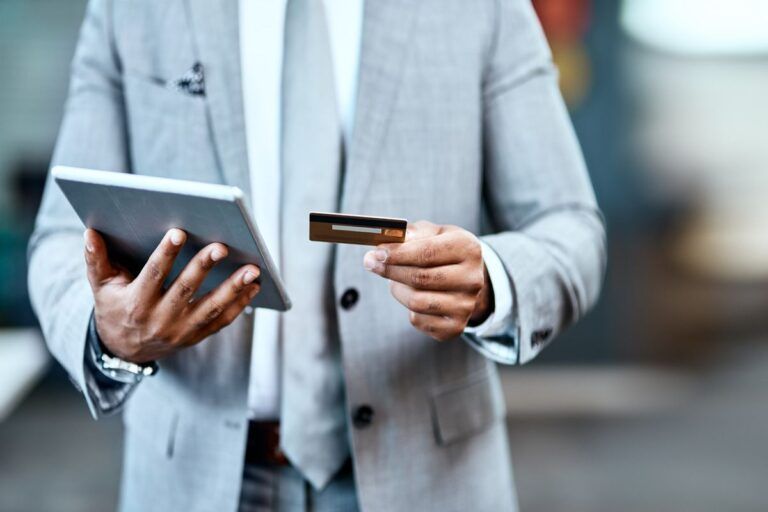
point(283, 489)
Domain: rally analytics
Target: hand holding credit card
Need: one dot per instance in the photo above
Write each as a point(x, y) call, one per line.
point(438, 274)
point(355, 229)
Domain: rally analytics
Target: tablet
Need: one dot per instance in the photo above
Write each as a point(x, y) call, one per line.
point(133, 213)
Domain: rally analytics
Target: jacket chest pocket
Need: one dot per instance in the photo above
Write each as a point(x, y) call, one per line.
point(168, 131)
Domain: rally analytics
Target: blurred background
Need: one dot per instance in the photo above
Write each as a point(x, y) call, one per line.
point(657, 401)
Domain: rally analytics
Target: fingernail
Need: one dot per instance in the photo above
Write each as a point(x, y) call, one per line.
point(176, 237)
point(88, 246)
point(249, 277)
point(381, 254)
point(217, 254)
point(371, 263)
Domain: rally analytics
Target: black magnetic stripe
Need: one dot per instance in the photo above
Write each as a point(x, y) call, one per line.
point(354, 221)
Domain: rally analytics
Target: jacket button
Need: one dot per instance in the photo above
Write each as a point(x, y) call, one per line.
point(349, 298)
point(363, 416)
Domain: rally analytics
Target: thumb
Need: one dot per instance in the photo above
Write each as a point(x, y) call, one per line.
point(414, 231)
point(421, 229)
point(97, 260)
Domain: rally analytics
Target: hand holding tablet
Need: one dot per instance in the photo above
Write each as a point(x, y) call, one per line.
point(139, 320)
point(169, 262)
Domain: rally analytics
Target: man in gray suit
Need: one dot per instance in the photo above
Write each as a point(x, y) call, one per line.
point(437, 110)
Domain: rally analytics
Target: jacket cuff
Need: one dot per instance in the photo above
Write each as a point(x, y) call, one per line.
point(536, 313)
point(497, 322)
point(105, 393)
point(501, 349)
point(71, 347)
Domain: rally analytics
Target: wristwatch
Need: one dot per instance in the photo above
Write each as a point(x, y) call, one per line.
point(112, 366)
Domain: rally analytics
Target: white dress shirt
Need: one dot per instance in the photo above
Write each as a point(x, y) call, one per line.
point(261, 55)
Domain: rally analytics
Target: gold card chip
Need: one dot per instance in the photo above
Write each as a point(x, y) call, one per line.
point(355, 229)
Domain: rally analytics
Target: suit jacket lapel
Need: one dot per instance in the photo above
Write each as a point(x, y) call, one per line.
point(386, 27)
point(216, 32)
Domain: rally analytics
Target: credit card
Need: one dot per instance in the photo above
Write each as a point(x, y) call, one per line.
point(355, 229)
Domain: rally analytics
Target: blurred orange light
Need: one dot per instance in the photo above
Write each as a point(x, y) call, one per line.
point(563, 20)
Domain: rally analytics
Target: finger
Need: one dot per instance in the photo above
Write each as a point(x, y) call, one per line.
point(433, 303)
point(231, 313)
point(97, 260)
point(442, 249)
point(216, 302)
point(150, 280)
point(192, 276)
point(421, 229)
point(441, 328)
point(453, 278)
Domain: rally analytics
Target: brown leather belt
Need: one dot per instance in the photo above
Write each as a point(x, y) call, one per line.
point(263, 446)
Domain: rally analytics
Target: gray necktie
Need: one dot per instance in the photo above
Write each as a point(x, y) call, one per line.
point(313, 430)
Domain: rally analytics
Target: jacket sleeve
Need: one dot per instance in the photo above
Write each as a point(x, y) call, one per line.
point(551, 234)
point(92, 134)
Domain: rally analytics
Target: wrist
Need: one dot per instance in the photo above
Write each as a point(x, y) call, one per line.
point(105, 344)
point(112, 365)
point(109, 345)
point(484, 305)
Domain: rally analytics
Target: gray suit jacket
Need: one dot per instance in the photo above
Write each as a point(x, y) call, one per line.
point(457, 108)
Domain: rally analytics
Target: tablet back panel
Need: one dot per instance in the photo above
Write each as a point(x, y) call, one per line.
point(133, 220)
